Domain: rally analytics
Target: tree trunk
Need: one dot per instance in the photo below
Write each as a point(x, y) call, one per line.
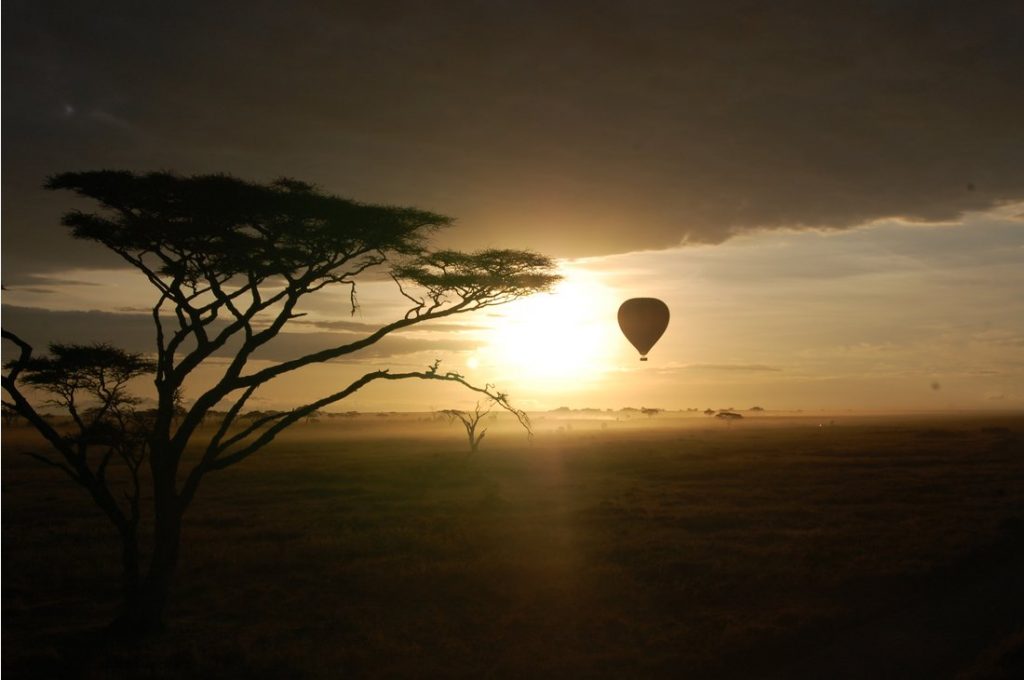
point(129, 567)
point(145, 604)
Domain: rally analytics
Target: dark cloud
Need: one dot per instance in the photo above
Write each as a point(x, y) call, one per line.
point(134, 332)
point(39, 327)
point(574, 127)
point(745, 368)
point(363, 327)
point(727, 369)
point(289, 345)
point(36, 283)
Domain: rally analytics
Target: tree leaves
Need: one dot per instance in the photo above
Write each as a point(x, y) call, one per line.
point(83, 367)
point(504, 273)
point(217, 225)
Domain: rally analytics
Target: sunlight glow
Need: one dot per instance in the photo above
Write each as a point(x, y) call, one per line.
point(567, 335)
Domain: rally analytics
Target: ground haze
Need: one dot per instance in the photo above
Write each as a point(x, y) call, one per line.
point(613, 545)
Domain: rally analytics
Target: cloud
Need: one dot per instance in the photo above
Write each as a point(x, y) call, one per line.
point(725, 369)
point(39, 283)
point(575, 128)
point(1000, 338)
point(134, 332)
point(744, 368)
point(363, 327)
point(39, 327)
point(107, 118)
point(289, 345)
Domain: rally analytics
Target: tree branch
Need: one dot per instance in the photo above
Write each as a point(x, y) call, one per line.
point(266, 374)
point(53, 463)
point(224, 460)
point(22, 405)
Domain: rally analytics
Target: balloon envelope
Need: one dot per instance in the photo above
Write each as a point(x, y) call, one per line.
point(643, 321)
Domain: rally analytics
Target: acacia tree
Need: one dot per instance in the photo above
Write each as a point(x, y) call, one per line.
point(90, 384)
point(229, 262)
point(470, 420)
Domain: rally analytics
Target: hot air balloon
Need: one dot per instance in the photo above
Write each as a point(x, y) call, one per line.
point(643, 320)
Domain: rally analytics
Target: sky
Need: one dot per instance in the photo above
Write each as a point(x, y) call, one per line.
point(829, 196)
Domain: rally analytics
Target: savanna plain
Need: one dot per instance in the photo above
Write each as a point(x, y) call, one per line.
point(780, 546)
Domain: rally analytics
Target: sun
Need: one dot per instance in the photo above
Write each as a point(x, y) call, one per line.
point(567, 335)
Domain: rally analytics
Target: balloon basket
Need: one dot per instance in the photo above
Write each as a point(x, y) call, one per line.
point(643, 358)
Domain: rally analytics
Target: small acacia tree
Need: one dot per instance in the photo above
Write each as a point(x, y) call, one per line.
point(90, 384)
point(471, 421)
point(229, 262)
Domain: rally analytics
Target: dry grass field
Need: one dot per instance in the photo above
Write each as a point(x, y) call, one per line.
point(666, 547)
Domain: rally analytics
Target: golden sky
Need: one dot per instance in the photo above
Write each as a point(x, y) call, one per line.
point(828, 195)
point(892, 315)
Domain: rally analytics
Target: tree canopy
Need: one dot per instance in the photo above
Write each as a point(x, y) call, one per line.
point(219, 226)
point(99, 370)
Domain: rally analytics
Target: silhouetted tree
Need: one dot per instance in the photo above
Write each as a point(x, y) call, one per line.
point(651, 411)
point(230, 262)
point(90, 384)
point(729, 416)
point(471, 421)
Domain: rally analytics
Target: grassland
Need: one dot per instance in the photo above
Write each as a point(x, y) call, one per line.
point(663, 547)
